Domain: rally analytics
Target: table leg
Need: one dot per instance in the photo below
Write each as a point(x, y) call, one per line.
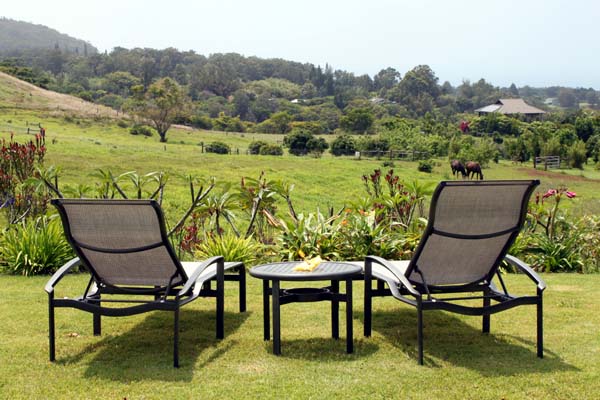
point(349, 320)
point(335, 310)
point(276, 318)
point(266, 314)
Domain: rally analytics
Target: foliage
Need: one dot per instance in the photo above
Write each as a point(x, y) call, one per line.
point(34, 247)
point(301, 142)
point(140, 130)
point(577, 155)
point(160, 104)
point(231, 247)
point(254, 147)
point(358, 120)
point(226, 123)
point(309, 236)
point(558, 247)
point(343, 145)
point(19, 198)
point(425, 166)
point(271, 150)
point(218, 148)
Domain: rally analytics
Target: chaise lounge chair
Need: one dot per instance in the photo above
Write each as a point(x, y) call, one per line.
point(123, 244)
point(470, 230)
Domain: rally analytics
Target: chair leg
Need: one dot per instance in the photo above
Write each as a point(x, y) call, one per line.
point(540, 326)
point(242, 288)
point(368, 300)
point(486, 317)
point(176, 338)
point(420, 330)
point(97, 322)
point(51, 332)
point(220, 300)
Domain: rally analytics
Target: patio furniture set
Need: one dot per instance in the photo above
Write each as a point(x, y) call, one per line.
point(133, 268)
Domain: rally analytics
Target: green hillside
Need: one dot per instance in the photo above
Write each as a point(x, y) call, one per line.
point(19, 36)
point(80, 140)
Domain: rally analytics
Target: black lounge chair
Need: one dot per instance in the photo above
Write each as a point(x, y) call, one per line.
point(123, 244)
point(470, 230)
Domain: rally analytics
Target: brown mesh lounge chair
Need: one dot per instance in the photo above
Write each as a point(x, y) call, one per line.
point(123, 244)
point(470, 229)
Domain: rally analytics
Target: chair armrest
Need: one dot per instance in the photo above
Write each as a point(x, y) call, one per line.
point(192, 279)
point(526, 269)
point(401, 278)
point(58, 275)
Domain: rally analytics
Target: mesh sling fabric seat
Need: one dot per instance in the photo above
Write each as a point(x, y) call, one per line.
point(471, 226)
point(123, 244)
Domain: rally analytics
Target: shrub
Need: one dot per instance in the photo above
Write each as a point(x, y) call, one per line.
point(425, 166)
point(141, 130)
point(343, 146)
point(201, 122)
point(231, 247)
point(271, 150)
point(122, 123)
point(577, 155)
point(254, 147)
point(301, 142)
point(35, 247)
point(218, 148)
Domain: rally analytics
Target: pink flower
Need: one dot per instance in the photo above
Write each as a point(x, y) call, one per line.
point(549, 193)
point(570, 194)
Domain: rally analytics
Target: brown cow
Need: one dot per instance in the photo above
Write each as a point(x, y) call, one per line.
point(458, 167)
point(473, 169)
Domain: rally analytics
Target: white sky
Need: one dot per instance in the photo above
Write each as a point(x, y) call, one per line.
point(528, 42)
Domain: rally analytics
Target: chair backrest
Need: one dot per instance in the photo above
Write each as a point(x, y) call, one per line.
point(121, 242)
point(472, 225)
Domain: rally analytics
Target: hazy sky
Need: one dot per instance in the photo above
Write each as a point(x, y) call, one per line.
point(528, 42)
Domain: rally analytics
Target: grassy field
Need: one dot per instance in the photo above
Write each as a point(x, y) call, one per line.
point(79, 147)
point(133, 357)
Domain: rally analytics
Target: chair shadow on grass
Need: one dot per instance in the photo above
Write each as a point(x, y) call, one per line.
point(449, 339)
point(146, 351)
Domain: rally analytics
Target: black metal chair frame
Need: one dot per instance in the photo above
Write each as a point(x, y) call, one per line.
point(421, 296)
point(164, 298)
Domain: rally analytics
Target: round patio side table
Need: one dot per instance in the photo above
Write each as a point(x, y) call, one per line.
point(272, 275)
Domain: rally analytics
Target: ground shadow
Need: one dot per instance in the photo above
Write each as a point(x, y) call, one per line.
point(323, 349)
point(447, 338)
point(146, 351)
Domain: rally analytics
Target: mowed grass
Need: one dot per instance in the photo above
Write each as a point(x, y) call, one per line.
point(133, 357)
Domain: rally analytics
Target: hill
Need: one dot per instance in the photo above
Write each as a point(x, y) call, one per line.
point(15, 93)
point(18, 36)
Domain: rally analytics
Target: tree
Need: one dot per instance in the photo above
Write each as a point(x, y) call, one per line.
point(161, 103)
point(386, 79)
point(566, 98)
point(358, 120)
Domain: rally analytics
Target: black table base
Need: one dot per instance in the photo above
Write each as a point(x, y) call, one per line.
point(303, 295)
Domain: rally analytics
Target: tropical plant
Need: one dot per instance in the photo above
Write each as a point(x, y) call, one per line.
point(20, 197)
point(309, 236)
point(231, 247)
point(34, 247)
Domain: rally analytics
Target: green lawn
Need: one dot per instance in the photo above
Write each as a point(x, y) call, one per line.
point(133, 357)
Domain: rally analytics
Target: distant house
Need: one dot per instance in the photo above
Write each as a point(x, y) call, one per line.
point(511, 107)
